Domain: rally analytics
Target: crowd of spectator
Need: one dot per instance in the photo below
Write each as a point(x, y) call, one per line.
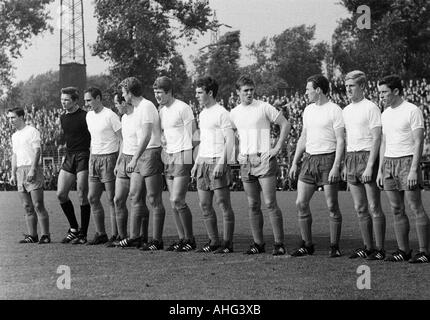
point(292, 106)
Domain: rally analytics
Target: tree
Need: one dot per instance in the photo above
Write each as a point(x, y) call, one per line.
point(138, 37)
point(42, 91)
point(286, 60)
point(397, 42)
point(295, 57)
point(221, 62)
point(19, 21)
point(263, 70)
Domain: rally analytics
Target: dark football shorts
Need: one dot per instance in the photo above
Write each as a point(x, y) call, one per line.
point(355, 164)
point(253, 167)
point(396, 171)
point(178, 164)
point(206, 180)
point(150, 163)
point(75, 162)
point(101, 167)
point(316, 168)
point(26, 186)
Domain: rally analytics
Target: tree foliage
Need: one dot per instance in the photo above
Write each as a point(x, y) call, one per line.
point(19, 21)
point(397, 42)
point(286, 60)
point(221, 61)
point(43, 90)
point(138, 37)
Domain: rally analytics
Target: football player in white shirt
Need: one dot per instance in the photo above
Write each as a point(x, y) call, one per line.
point(28, 176)
point(363, 132)
point(322, 142)
point(399, 172)
point(178, 126)
point(105, 129)
point(146, 168)
point(259, 167)
point(211, 167)
point(122, 181)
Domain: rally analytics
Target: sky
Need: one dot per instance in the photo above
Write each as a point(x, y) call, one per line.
point(254, 18)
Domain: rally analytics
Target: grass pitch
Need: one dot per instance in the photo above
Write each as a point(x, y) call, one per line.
point(30, 271)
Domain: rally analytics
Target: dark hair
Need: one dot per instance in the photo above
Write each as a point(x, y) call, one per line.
point(72, 91)
point(133, 85)
point(244, 80)
point(208, 84)
point(18, 111)
point(94, 92)
point(319, 81)
point(163, 83)
point(393, 82)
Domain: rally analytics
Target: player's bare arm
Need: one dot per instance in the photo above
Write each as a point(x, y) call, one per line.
point(380, 177)
point(340, 147)
point(418, 136)
point(376, 143)
point(285, 127)
point(300, 149)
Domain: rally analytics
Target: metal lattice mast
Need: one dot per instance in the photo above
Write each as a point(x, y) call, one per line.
point(73, 67)
point(214, 34)
point(72, 38)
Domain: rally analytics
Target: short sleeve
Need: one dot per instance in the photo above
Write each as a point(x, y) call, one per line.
point(13, 139)
point(225, 122)
point(374, 117)
point(337, 118)
point(232, 118)
point(305, 117)
point(416, 119)
point(115, 122)
point(271, 112)
point(144, 114)
point(35, 139)
point(187, 114)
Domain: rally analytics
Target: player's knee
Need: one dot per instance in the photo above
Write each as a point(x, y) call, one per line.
point(82, 196)
point(224, 205)
point(119, 202)
point(361, 210)
point(398, 210)
point(62, 196)
point(93, 199)
point(254, 205)
point(154, 201)
point(177, 203)
point(205, 207)
point(271, 205)
point(39, 206)
point(417, 209)
point(333, 208)
point(335, 215)
point(375, 210)
point(302, 206)
point(29, 209)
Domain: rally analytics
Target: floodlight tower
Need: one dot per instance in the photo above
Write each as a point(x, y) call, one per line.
point(72, 45)
point(214, 34)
